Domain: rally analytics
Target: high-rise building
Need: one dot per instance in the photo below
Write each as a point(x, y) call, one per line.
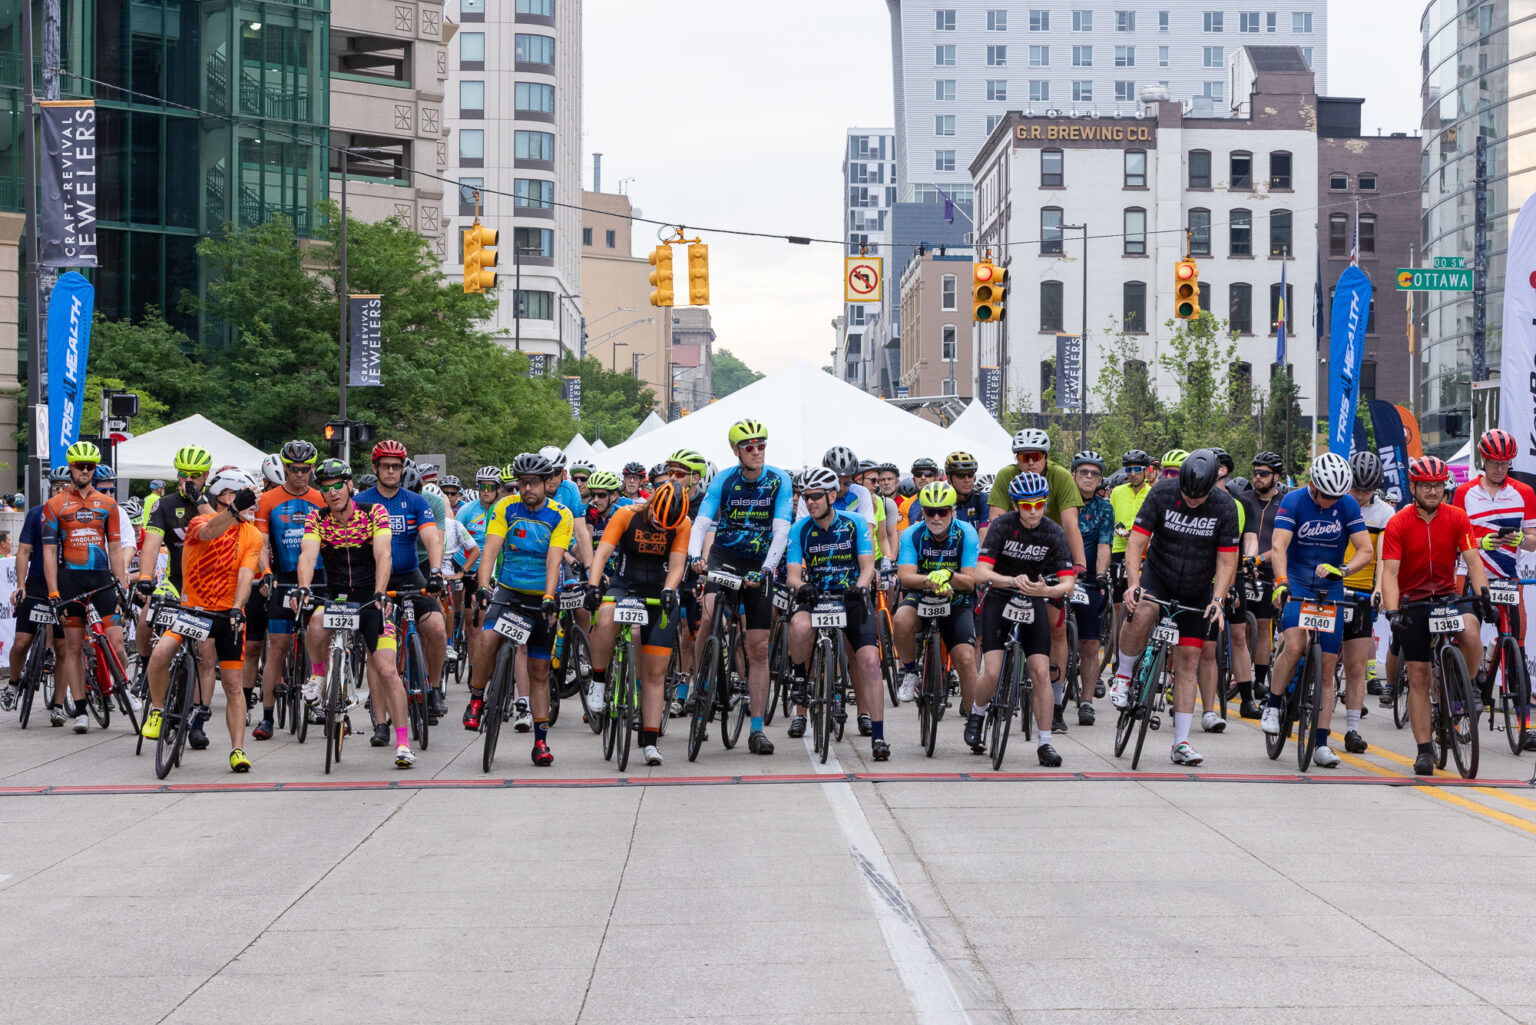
point(621, 329)
point(869, 190)
point(514, 115)
point(960, 65)
point(693, 350)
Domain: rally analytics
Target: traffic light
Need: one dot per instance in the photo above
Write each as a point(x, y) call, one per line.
point(335, 433)
point(478, 255)
point(698, 274)
point(987, 290)
point(1186, 290)
point(661, 277)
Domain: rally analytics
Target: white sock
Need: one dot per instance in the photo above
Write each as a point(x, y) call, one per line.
point(1127, 664)
point(978, 709)
point(1181, 722)
point(1045, 737)
point(1354, 719)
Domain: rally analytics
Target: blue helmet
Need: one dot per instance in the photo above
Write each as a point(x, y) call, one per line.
point(104, 472)
point(1028, 487)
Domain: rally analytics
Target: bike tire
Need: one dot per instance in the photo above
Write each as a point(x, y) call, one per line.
point(1461, 728)
point(175, 720)
point(1400, 698)
point(1023, 691)
point(332, 702)
point(120, 688)
point(778, 670)
point(1310, 704)
point(1516, 692)
point(703, 695)
point(95, 702)
point(823, 707)
point(617, 670)
point(1071, 679)
point(596, 720)
point(1146, 700)
point(628, 693)
point(1003, 704)
point(738, 703)
point(888, 667)
point(931, 698)
point(294, 674)
point(421, 719)
point(493, 705)
point(32, 674)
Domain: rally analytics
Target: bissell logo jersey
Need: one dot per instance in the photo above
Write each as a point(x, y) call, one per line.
point(743, 511)
point(829, 555)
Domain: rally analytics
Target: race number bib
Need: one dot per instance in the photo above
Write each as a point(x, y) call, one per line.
point(1019, 610)
point(42, 615)
point(514, 627)
point(724, 579)
point(829, 615)
point(1079, 596)
point(1445, 619)
point(571, 600)
point(1504, 592)
point(1165, 633)
point(341, 616)
point(1252, 591)
point(781, 600)
point(931, 608)
point(631, 610)
point(1348, 612)
point(165, 617)
point(1318, 616)
point(192, 627)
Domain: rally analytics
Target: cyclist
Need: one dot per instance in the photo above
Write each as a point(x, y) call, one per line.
point(960, 471)
point(1359, 644)
point(222, 552)
point(634, 477)
point(883, 527)
point(938, 557)
point(32, 593)
point(748, 508)
point(650, 543)
point(167, 526)
point(413, 519)
point(1265, 497)
point(458, 547)
point(924, 472)
point(1096, 520)
point(352, 541)
point(81, 553)
point(691, 468)
point(1313, 529)
point(526, 539)
point(1125, 499)
point(1237, 624)
point(830, 553)
point(452, 491)
point(567, 494)
point(1419, 548)
point(1022, 549)
point(1187, 532)
point(604, 498)
point(156, 492)
point(581, 471)
point(473, 515)
point(851, 496)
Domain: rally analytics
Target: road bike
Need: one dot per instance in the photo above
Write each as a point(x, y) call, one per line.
point(720, 684)
point(885, 633)
point(501, 689)
point(1453, 700)
point(106, 681)
point(570, 668)
point(412, 664)
point(1507, 666)
point(1305, 692)
point(192, 625)
point(1151, 681)
point(345, 659)
point(1015, 691)
point(621, 696)
point(938, 680)
point(828, 682)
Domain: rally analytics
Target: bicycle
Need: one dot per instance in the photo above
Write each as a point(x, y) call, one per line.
point(718, 687)
point(1304, 693)
point(105, 678)
point(574, 671)
point(501, 688)
point(1514, 696)
point(1015, 690)
point(621, 697)
point(1453, 728)
point(37, 670)
point(343, 670)
point(938, 680)
point(887, 638)
point(829, 678)
point(1151, 680)
point(193, 626)
point(780, 666)
point(412, 664)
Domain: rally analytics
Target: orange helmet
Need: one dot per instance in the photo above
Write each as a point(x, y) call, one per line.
point(668, 505)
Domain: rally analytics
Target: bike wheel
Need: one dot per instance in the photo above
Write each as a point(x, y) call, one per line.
point(1003, 704)
point(333, 715)
point(617, 671)
point(778, 670)
point(492, 704)
point(1400, 698)
point(1515, 697)
point(823, 706)
point(1071, 683)
point(32, 675)
point(888, 667)
point(1310, 706)
point(628, 696)
point(738, 703)
point(418, 694)
point(1023, 691)
point(1148, 700)
point(1456, 706)
point(703, 695)
point(931, 698)
point(96, 702)
point(176, 719)
point(575, 662)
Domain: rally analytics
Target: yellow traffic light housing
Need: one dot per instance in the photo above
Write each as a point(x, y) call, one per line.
point(1186, 290)
point(698, 274)
point(661, 277)
point(478, 256)
point(987, 280)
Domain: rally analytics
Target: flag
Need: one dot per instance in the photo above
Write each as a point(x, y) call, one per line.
point(1517, 385)
point(1392, 447)
point(69, 346)
point(949, 206)
point(1280, 321)
point(1346, 345)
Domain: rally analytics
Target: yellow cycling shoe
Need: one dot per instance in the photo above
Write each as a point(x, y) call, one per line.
point(238, 762)
point(151, 730)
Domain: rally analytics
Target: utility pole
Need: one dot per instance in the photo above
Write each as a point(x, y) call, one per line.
point(35, 395)
point(341, 335)
point(1480, 268)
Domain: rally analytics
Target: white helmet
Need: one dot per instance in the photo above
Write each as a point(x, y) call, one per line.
point(554, 455)
point(432, 489)
point(272, 468)
point(231, 479)
point(819, 478)
point(1331, 475)
point(1031, 439)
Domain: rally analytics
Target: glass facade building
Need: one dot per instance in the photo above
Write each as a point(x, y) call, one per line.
point(1479, 79)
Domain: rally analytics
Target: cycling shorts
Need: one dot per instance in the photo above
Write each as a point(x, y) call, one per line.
point(541, 637)
point(959, 627)
point(655, 638)
point(860, 630)
point(1194, 628)
point(1362, 617)
point(1090, 617)
point(1412, 634)
point(1332, 642)
point(997, 632)
point(757, 601)
point(228, 643)
point(75, 582)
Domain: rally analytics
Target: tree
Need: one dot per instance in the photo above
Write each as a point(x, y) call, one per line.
point(1282, 393)
point(728, 374)
point(612, 405)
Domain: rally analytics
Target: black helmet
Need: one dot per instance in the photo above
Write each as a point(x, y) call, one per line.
point(1366, 466)
point(333, 469)
point(1135, 457)
point(906, 488)
point(1116, 479)
point(531, 464)
point(1237, 485)
point(1198, 474)
point(1224, 458)
point(1270, 461)
point(925, 465)
point(633, 469)
point(365, 482)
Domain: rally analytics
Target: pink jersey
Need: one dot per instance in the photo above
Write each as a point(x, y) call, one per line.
point(1512, 508)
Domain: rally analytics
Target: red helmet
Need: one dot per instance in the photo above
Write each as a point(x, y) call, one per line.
point(1428, 469)
point(389, 448)
point(1497, 444)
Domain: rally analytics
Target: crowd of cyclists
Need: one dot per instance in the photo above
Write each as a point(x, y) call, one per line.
point(1055, 573)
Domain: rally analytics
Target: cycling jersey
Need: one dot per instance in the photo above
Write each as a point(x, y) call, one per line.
point(879, 521)
point(1426, 552)
point(974, 510)
point(1125, 501)
point(1012, 549)
point(213, 566)
point(346, 549)
point(569, 495)
point(955, 550)
point(1185, 540)
point(1248, 515)
point(1318, 536)
point(456, 539)
point(169, 520)
point(408, 512)
point(32, 534)
point(527, 536)
point(280, 515)
point(1096, 520)
point(1375, 513)
point(84, 527)
point(440, 515)
point(642, 549)
point(855, 500)
point(474, 515)
point(1512, 507)
point(743, 513)
point(829, 556)
point(1267, 509)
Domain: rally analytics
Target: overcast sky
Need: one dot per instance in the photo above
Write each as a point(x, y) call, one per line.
point(732, 115)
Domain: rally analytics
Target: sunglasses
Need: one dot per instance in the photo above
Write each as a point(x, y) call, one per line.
point(1031, 457)
point(88, 467)
point(580, 480)
point(326, 489)
point(1263, 473)
point(939, 513)
point(925, 475)
point(451, 492)
point(962, 476)
point(298, 468)
point(1135, 469)
point(815, 496)
point(187, 476)
point(679, 473)
point(1037, 503)
point(752, 446)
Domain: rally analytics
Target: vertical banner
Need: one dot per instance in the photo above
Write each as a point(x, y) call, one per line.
point(1517, 380)
point(570, 391)
point(1411, 431)
point(1069, 371)
point(366, 325)
point(1392, 447)
point(1346, 346)
point(66, 215)
point(69, 344)
point(990, 387)
point(674, 411)
point(7, 617)
point(536, 364)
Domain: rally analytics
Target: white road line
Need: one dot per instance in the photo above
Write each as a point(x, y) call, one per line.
point(929, 987)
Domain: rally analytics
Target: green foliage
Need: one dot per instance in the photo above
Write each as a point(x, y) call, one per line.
point(1282, 392)
point(612, 405)
point(728, 374)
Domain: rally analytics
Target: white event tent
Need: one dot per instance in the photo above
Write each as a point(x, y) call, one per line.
point(579, 448)
point(806, 411)
point(149, 455)
point(978, 425)
point(649, 424)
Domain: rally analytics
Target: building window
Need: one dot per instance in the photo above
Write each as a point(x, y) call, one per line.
point(1366, 182)
point(1082, 90)
point(535, 305)
point(1039, 90)
point(1135, 168)
point(1370, 318)
point(472, 99)
point(533, 146)
point(1274, 307)
point(1338, 182)
point(1051, 306)
point(997, 21)
point(1082, 21)
point(1366, 230)
point(997, 88)
point(1213, 21)
point(534, 193)
point(1039, 56)
point(1280, 170)
point(1279, 232)
point(472, 147)
point(1240, 233)
point(1213, 91)
point(467, 189)
point(947, 386)
point(944, 124)
point(943, 21)
point(1082, 56)
point(1039, 21)
point(1368, 379)
point(1270, 19)
point(992, 120)
point(1134, 307)
point(1135, 232)
point(1125, 21)
point(1241, 176)
point(944, 90)
point(997, 56)
point(1199, 232)
point(1214, 56)
point(1162, 56)
point(610, 238)
point(1051, 168)
point(1125, 56)
point(586, 236)
point(943, 160)
point(944, 56)
point(1240, 308)
point(1306, 55)
point(473, 7)
point(534, 241)
point(948, 289)
point(1338, 235)
point(1050, 230)
point(545, 8)
point(947, 343)
point(1162, 21)
point(534, 98)
point(1301, 21)
point(1248, 21)
point(1125, 91)
point(1199, 169)
point(534, 49)
point(472, 50)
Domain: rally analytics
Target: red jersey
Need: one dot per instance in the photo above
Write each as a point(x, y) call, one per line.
point(1427, 552)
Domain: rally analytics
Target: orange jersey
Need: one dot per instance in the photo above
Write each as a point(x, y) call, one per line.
point(84, 527)
point(642, 549)
point(211, 569)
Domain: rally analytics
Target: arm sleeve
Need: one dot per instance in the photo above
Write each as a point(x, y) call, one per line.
point(780, 535)
point(907, 554)
point(865, 507)
point(709, 508)
point(701, 528)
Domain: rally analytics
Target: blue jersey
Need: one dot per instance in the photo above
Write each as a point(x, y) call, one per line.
point(1318, 536)
point(527, 536)
point(973, 510)
point(743, 511)
point(829, 557)
point(32, 534)
point(955, 550)
point(569, 495)
point(408, 512)
point(1096, 521)
point(473, 516)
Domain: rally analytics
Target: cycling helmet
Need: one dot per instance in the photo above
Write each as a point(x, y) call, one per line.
point(887, 467)
point(410, 479)
point(1174, 458)
point(299, 451)
point(959, 462)
point(431, 488)
point(363, 483)
point(554, 455)
point(1223, 458)
point(1088, 457)
point(1237, 485)
point(487, 473)
point(82, 452)
point(604, 480)
point(1497, 444)
point(1135, 457)
point(272, 468)
point(709, 472)
point(867, 466)
point(841, 461)
point(133, 507)
point(59, 475)
point(103, 474)
point(925, 465)
point(389, 448)
point(1117, 478)
point(531, 464)
point(193, 459)
point(230, 480)
point(819, 478)
point(335, 469)
point(156, 484)
point(687, 457)
point(1031, 439)
point(448, 480)
point(746, 430)
point(668, 505)
point(937, 495)
point(1331, 475)
point(1366, 469)
point(984, 483)
point(410, 464)
point(1270, 461)
point(1028, 487)
point(633, 469)
point(582, 465)
point(428, 471)
point(658, 473)
point(1428, 469)
point(1197, 471)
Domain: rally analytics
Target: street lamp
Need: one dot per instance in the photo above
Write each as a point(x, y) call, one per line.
point(635, 358)
point(586, 324)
